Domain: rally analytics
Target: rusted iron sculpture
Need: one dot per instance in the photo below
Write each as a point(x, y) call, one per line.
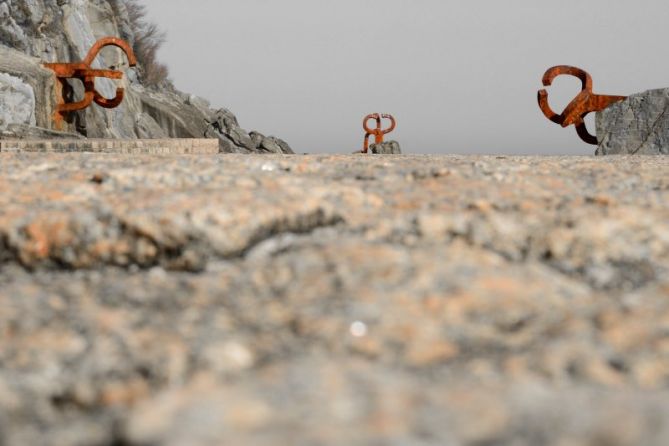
point(584, 103)
point(377, 132)
point(84, 72)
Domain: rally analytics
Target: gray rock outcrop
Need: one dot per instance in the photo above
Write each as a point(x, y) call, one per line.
point(386, 148)
point(36, 31)
point(37, 83)
point(18, 101)
point(637, 125)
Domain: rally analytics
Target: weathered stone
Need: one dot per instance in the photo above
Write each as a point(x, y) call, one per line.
point(410, 300)
point(285, 148)
point(386, 148)
point(147, 128)
point(22, 131)
point(39, 80)
point(18, 102)
point(638, 125)
point(270, 144)
point(257, 138)
point(200, 103)
point(10, 32)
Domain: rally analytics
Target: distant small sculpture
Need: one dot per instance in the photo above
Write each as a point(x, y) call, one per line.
point(84, 72)
point(585, 103)
point(378, 132)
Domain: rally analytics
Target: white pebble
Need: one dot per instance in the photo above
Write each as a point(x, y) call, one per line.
point(269, 167)
point(358, 329)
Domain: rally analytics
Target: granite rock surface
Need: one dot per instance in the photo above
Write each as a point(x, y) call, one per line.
point(410, 300)
point(638, 125)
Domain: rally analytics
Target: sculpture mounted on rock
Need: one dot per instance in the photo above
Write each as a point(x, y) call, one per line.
point(84, 72)
point(377, 132)
point(583, 104)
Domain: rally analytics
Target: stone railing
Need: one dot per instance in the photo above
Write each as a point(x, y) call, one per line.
point(119, 146)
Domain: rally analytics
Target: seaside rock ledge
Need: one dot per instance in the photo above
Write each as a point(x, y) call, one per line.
point(638, 125)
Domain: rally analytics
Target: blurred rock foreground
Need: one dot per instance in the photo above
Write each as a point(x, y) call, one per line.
point(333, 300)
point(36, 31)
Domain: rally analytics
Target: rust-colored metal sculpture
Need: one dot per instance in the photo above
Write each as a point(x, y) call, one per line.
point(378, 132)
point(84, 72)
point(583, 104)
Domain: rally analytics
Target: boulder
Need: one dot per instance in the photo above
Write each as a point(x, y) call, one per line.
point(147, 128)
point(270, 144)
point(18, 101)
point(638, 125)
point(257, 138)
point(386, 148)
point(285, 148)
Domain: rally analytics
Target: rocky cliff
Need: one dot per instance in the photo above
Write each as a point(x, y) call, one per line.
point(36, 31)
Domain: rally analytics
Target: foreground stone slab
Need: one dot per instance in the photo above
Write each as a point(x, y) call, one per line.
point(263, 300)
point(183, 146)
point(637, 126)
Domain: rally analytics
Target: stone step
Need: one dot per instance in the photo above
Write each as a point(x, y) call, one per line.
point(184, 146)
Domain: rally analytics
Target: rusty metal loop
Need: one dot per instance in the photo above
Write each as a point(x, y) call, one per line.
point(110, 41)
point(378, 117)
point(566, 70)
point(584, 103)
point(89, 96)
point(379, 132)
point(110, 103)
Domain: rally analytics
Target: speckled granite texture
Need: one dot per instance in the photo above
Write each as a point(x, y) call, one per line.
point(328, 300)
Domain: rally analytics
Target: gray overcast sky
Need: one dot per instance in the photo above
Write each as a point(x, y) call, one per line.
point(461, 76)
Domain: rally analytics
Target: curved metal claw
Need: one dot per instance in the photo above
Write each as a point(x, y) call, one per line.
point(89, 96)
point(378, 117)
point(379, 131)
point(393, 123)
point(84, 72)
point(584, 103)
point(110, 41)
point(585, 135)
point(110, 103)
point(373, 116)
point(567, 70)
point(546, 108)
